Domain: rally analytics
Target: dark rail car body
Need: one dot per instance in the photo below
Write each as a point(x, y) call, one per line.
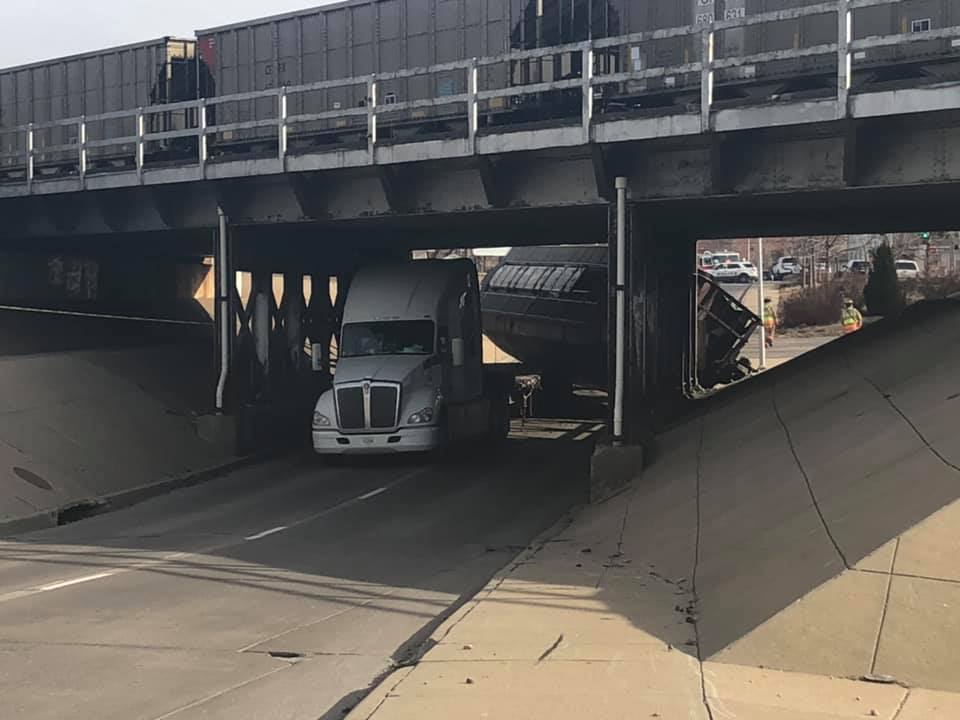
point(546, 306)
point(359, 37)
point(145, 74)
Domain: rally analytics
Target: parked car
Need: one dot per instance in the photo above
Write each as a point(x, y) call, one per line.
point(907, 269)
point(855, 266)
point(785, 267)
point(743, 272)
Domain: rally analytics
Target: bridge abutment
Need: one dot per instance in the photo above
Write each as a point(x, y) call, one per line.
point(167, 287)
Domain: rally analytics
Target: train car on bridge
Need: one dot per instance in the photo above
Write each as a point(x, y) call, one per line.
point(149, 73)
point(354, 39)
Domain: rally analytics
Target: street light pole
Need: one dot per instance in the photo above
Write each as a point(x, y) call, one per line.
point(763, 328)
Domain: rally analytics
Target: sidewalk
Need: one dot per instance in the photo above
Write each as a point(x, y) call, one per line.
point(791, 555)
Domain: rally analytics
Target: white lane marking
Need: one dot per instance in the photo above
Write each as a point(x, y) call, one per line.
point(266, 533)
point(597, 428)
point(583, 435)
point(220, 693)
point(75, 581)
point(373, 493)
point(104, 316)
point(147, 564)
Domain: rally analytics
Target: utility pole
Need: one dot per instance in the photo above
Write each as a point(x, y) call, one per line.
point(763, 329)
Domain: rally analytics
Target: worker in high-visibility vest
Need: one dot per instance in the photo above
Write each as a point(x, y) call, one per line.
point(769, 322)
point(850, 317)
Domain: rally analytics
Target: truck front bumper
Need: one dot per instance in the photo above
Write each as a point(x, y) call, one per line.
point(416, 439)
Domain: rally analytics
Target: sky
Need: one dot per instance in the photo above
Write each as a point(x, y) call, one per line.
point(34, 30)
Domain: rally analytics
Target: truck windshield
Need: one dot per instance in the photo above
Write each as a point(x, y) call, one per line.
point(392, 337)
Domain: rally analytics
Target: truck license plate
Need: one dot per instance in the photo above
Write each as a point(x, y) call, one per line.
point(368, 441)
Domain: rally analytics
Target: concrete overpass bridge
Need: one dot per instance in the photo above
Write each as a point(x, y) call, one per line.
point(855, 151)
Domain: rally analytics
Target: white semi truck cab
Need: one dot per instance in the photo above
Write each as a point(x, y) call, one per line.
point(409, 374)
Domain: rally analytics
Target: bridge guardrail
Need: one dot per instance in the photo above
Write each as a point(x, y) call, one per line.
point(21, 165)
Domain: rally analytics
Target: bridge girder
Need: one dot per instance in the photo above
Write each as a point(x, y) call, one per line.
point(792, 169)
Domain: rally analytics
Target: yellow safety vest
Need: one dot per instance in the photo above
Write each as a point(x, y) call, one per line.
point(851, 319)
point(769, 316)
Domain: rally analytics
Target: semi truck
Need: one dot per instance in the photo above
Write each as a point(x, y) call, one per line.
point(410, 374)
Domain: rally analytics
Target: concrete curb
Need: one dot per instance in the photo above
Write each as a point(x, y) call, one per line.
point(380, 691)
point(597, 495)
point(528, 553)
point(99, 505)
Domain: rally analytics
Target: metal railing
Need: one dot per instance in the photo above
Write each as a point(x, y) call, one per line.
point(589, 83)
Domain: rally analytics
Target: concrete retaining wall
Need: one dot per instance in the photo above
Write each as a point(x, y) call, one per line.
point(78, 426)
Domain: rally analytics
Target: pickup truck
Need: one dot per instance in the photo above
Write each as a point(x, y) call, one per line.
point(409, 374)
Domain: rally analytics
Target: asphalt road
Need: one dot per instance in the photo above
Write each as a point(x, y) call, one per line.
point(281, 591)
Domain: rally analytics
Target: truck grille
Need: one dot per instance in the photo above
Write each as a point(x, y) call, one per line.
point(350, 408)
point(368, 406)
point(383, 406)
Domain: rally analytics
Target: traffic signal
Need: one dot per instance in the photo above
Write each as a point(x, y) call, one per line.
point(925, 236)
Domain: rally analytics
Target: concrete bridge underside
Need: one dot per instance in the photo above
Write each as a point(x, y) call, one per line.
point(883, 174)
point(787, 179)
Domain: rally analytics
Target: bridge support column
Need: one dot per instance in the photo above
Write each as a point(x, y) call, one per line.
point(659, 280)
point(320, 325)
point(262, 310)
point(294, 312)
point(658, 276)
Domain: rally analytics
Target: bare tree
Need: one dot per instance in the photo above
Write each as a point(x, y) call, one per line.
point(829, 244)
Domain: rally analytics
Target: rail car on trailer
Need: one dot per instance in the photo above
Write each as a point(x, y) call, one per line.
point(547, 306)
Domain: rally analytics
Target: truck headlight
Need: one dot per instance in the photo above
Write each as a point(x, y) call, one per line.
point(320, 420)
point(422, 417)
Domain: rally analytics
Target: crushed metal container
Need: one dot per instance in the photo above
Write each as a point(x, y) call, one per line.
point(724, 327)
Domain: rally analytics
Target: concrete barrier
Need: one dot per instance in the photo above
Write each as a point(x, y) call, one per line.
point(613, 468)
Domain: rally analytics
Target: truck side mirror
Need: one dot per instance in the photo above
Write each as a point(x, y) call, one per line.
point(456, 351)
